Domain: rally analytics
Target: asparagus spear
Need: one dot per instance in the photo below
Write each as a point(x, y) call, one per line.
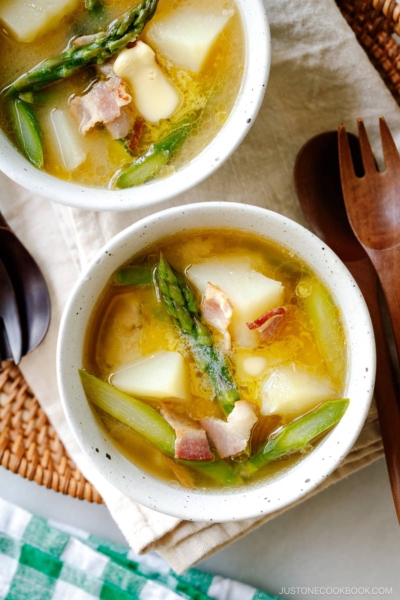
point(75, 58)
point(326, 328)
point(133, 413)
point(135, 275)
point(157, 156)
point(150, 424)
point(297, 435)
point(219, 471)
point(27, 132)
point(38, 99)
point(182, 304)
point(93, 4)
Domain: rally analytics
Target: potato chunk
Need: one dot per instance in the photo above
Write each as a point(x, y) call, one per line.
point(69, 142)
point(186, 36)
point(250, 292)
point(162, 376)
point(291, 392)
point(119, 335)
point(26, 20)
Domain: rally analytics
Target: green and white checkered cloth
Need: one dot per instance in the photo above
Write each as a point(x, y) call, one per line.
point(45, 560)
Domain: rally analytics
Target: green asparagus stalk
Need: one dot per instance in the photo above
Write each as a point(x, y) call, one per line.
point(41, 98)
point(133, 413)
point(27, 132)
point(320, 306)
point(182, 304)
point(156, 157)
point(150, 424)
point(135, 275)
point(219, 471)
point(297, 435)
point(93, 4)
point(75, 58)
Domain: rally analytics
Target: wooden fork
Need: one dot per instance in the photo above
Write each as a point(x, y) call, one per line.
point(373, 207)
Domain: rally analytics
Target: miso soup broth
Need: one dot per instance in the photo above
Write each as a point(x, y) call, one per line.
point(234, 348)
point(69, 128)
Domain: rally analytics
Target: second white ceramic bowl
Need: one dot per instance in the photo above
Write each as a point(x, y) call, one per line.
point(245, 502)
point(242, 117)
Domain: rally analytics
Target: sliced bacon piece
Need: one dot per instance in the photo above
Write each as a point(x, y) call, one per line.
point(137, 133)
point(267, 324)
point(231, 437)
point(121, 126)
point(217, 311)
point(101, 105)
point(191, 440)
point(83, 40)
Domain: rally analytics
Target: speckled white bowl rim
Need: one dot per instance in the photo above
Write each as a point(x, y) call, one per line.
point(242, 117)
point(250, 501)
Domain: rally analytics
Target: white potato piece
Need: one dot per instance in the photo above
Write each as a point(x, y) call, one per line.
point(26, 20)
point(153, 94)
point(69, 141)
point(251, 293)
point(186, 36)
point(161, 376)
point(291, 392)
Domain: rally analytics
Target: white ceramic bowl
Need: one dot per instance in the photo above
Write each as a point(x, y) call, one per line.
point(242, 117)
point(252, 501)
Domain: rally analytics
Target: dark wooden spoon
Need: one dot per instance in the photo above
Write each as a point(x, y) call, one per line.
point(10, 323)
point(318, 187)
point(30, 289)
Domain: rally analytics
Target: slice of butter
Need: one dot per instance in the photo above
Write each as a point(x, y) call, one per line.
point(153, 94)
point(25, 20)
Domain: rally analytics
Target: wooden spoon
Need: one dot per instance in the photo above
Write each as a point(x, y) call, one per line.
point(10, 323)
point(318, 187)
point(30, 289)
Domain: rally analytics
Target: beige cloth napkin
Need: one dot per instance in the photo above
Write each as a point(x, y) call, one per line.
point(320, 76)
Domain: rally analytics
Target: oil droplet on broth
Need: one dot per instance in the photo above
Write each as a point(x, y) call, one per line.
point(303, 289)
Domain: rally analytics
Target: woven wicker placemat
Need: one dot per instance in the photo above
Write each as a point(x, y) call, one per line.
point(29, 445)
point(374, 23)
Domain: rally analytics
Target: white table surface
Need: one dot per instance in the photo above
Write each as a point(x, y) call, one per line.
point(346, 536)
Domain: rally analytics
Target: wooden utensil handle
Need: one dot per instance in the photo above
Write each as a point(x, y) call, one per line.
point(387, 266)
point(385, 391)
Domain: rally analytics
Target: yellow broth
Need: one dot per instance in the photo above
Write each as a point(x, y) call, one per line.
point(212, 92)
point(128, 323)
